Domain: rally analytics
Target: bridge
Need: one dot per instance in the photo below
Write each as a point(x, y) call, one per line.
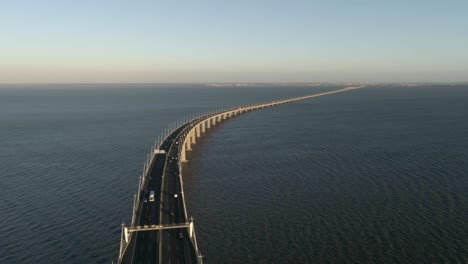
point(161, 231)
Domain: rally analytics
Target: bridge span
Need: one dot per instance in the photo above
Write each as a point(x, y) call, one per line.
point(161, 231)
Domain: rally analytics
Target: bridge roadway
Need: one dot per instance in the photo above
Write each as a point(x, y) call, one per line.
point(164, 178)
point(175, 245)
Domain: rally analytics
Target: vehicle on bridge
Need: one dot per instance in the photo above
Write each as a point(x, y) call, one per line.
point(151, 197)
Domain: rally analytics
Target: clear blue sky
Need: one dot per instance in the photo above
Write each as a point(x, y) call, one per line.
point(233, 41)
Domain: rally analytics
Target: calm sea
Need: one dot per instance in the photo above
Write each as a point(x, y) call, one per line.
point(376, 175)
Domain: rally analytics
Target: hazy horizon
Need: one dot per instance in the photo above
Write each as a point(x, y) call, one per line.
point(240, 84)
point(55, 41)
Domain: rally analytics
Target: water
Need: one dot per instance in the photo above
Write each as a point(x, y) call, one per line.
point(376, 175)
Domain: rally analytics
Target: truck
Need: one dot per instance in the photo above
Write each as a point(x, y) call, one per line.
point(151, 196)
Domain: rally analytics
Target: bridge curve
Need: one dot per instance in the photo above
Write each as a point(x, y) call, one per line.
point(206, 122)
point(163, 241)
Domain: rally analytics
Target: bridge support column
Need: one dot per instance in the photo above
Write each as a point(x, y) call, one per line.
point(187, 141)
point(208, 122)
point(193, 136)
point(197, 130)
point(183, 157)
point(203, 124)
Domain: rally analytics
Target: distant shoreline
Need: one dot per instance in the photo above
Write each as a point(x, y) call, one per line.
point(245, 84)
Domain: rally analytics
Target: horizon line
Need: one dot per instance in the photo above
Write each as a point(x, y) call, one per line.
point(235, 83)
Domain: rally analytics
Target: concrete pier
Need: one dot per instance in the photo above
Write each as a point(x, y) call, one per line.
point(199, 130)
point(192, 135)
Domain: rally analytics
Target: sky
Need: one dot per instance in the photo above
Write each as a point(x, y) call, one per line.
point(145, 41)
